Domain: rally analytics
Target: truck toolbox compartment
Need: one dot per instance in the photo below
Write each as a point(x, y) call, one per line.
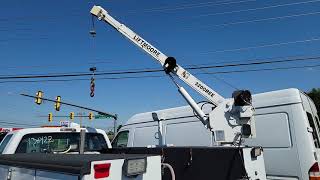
point(190, 163)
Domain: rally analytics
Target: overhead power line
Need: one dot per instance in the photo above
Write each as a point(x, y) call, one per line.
point(56, 65)
point(21, 124)
point(264, 69)
point(161, 76)
point(263, 46)
point(160, 70)
point(190, 6)
point(256, 63)
point(252, 9)
point(153, 71)
point(253, 21)
point(78, 75)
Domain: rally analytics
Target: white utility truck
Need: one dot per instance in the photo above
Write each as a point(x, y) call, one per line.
point(228, 123)
point(287, 128)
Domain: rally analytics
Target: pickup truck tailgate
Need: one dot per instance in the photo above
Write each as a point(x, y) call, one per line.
point(74, 167)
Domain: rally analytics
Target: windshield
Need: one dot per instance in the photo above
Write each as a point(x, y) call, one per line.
point(59, 142)
point(121, 140)
point(5, 142)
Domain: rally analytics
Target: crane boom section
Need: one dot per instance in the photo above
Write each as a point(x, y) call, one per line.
point(182, 73)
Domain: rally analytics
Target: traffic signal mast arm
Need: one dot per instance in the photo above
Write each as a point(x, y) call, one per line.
point(168, 63)
point(114, 116)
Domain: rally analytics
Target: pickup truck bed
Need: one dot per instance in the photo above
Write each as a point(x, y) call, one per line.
point(205, 163)
point(68, 163)
point(71, 167)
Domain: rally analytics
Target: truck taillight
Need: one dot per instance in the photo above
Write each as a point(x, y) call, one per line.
point(314, 173)
point(101, 170)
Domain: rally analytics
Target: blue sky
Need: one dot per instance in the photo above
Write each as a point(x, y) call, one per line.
point(41, 37)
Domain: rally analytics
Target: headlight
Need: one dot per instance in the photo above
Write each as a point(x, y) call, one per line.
point(134, 167)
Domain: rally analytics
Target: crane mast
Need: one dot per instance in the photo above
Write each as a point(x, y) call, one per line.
point(231, 117)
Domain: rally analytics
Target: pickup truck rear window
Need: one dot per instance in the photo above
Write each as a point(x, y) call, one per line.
point(59, 142)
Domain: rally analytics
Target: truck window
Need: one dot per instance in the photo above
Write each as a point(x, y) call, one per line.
point(279, 137)
point(174, 137)
point(121, 140)
point(5, 142)
point(59, 142)
point(315, 130)
point(2, 135)
point(146, 136)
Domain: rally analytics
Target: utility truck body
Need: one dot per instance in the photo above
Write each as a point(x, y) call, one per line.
point(287, 128)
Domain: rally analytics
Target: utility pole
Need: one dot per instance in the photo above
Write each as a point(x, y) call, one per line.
point(114, 126)
point(80, 114)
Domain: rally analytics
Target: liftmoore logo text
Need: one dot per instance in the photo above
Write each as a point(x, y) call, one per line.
point(147, 46)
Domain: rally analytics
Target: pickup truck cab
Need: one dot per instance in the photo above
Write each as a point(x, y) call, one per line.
point(53, 140)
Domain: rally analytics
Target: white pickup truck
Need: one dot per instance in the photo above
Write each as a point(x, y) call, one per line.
point(48, 153)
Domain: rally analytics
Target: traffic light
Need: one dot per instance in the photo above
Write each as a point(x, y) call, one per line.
point(38, 99)
point(58, 103)
point(90, 115)
point(50, 117)
point(71, 115)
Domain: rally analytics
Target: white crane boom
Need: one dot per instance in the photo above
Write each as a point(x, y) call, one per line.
point(183, 74)
point(230, 119)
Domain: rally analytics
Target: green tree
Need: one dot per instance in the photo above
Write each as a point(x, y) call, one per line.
point(314, 94)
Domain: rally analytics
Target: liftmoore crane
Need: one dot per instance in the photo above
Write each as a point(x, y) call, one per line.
point(231, 118)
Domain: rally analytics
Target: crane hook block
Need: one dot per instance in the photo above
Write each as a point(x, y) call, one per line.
point(169, 64)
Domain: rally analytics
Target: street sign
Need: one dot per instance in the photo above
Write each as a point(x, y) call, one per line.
point(99, 116)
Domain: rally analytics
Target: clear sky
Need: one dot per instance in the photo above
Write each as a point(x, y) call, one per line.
point(50, 37)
